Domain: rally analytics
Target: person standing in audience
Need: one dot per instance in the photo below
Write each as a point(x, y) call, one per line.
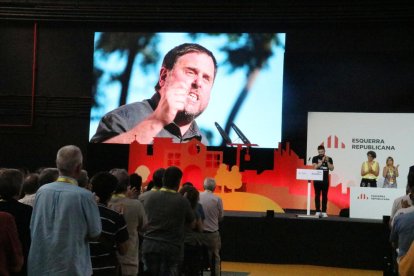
point(114, 235)
point(370, 171)
point(83, 180)
point(65, 218)
point(402, 231)
point(324, 163)
point(390, 173)
point(135, 181)
point(48, 175)
point(154, 185)
point(193, 250)
point(134, 215)
point(167, 212)
point(213, 212)
point(11, 256)
point(10, 184)
point(403, 204)
point(30, 186)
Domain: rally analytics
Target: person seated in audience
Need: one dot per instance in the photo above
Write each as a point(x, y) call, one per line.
point(114, 235)
point(65, 218)
point(154, 185)
point(29, 189)
point(167, 213)
point(134, 214)
point(193, 239)
point(11, 256)
point(10, 184)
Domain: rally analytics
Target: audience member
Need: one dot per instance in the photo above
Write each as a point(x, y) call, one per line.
point(65, 217)
point(11, 256)
point(402, 233)
point(48, 175)
point(167, 212)
point(114, 229)
point(213, 211)
point(134, 214)
point(193, 240)
point(199, 208)
point(135, 181)
point(29, 189)
point(10, 184)
point(405, 201)
point(83, 180)
point(154, 185)
point(406, 265)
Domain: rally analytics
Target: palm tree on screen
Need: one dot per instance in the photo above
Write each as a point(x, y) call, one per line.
point(250, 52)
point(130, 46)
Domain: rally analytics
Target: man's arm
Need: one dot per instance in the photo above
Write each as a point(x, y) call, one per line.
point(144, 132)
point(315, 163)
point(122, 248)
point(394, 233)
point(172, 100)
point(330, 164)
point(221, 209)
point(93, 218)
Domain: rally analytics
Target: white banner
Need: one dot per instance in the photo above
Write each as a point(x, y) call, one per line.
point(348, 137)
point(372, 203)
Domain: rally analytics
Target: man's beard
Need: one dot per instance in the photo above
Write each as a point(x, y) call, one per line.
point(184, 117)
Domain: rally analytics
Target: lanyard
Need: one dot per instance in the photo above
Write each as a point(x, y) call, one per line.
point(67, 180)
point(168, 190)
point(118, 196)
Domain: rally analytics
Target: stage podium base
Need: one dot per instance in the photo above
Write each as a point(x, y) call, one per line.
point(308, 216)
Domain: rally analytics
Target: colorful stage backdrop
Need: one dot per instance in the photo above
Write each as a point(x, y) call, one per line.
point(241, 190)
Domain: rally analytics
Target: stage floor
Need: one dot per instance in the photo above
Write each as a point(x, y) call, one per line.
point(288, 239)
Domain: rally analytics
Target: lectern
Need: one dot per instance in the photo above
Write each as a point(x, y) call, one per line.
point(309, 175)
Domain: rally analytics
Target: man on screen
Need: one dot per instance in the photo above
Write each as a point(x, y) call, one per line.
point(325, 163)
point(182, 94)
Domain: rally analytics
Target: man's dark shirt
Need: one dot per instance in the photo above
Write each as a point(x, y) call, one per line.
point(126, 117)
point(324, 167)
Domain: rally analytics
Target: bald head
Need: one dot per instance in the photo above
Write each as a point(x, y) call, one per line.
point(69, 161)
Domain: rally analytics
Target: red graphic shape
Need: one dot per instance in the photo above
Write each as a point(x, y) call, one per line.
point(278, 184)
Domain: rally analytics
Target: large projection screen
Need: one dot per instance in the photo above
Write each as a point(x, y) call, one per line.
point(259, 115)
point(348, 137)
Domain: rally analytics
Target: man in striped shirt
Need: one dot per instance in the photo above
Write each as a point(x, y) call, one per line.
point(114, 235)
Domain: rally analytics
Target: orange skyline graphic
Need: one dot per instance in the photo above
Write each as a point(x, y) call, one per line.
point(246, 190)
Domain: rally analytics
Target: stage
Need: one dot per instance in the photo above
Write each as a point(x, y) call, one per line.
point(288, 239)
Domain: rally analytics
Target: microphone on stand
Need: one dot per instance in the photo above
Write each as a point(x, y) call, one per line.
point(240, 134)
point(223, 134)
